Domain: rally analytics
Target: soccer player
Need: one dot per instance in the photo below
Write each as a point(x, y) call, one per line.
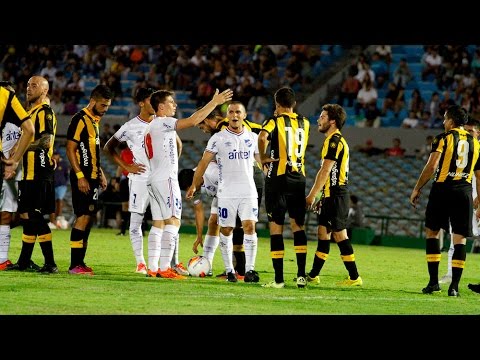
point(332, 181)
point(163, 187)
point(12, 110)
point(8, 203)
point(36, 196)
point(86, 175)
point(451, 164)
point(287, 134)
point(235, 151)
point(473, 127)
point(132, 134)
point(208, 187)
point(13, 117)
point(211, 125)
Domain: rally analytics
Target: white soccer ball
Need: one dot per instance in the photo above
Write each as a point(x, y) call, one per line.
point(198, 266)
point(62, 223)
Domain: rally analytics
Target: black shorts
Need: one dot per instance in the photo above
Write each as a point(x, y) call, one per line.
point(36, 195)
point(124, 189)
point(84, 204)
point(334, 212)
point(450, 206)
point(278, 203)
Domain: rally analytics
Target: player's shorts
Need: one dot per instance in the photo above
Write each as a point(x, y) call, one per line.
point(9, 196)
point(60, 191)
point(228, 209)
point(165, 199)
point(334, 212)
point(277, 204)
point(36, 195)
point(139, 197)
point(450, 206)
point(84, 204)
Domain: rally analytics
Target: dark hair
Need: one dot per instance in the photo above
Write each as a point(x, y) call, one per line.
point(159, 97)
point(457, 114)
point(185, 178)
point(285, 97)
point(143, 93)
point(101, 92)
point(337, 113)
point(473, 122)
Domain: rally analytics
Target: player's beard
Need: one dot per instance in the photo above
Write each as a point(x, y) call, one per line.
point(324, 128)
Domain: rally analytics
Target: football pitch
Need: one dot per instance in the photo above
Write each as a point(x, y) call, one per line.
point(393, 278)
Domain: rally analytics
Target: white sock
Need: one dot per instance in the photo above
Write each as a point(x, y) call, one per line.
point(169, 240)
point(4, 242)
point(154, 247)
point(136, 237)
point(175, 260)
point(451, 250)
point(209, 246)
point(226, 248)
point(250, 246)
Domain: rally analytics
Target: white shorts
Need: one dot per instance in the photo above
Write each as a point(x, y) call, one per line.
point(139, 197)
point(247, 209)
point(9, 196)
point(165, 199)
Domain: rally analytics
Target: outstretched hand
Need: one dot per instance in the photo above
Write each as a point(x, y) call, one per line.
point(222, 97)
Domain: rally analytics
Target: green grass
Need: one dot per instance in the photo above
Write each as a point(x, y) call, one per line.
point(393, 279)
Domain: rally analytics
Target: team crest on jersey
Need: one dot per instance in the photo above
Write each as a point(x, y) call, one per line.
point(333, 145)
point(49, 117)
point(248, 142)
point(91, 207)
point(166, 126)
point(435, 140)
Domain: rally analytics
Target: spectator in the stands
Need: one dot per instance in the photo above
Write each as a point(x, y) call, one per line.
point(349, 89)
point(366, 95)
point(402, 73)
point(394, 99)
point(411, 121)
point(416, 103)
point(396, 149)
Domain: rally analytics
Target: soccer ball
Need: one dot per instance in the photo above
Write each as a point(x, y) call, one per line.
point(62, 223)
point(198, 266)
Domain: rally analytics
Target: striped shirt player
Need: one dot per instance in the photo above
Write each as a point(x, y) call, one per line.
point(332, 179)
point(452, 163)
point(36, 195)
point(86, 175)
point(285, 137)
point(11, 112)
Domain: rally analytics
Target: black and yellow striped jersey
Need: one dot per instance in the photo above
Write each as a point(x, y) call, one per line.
point(336, 148)
point(84, 130)
point(249, 125)
point(288, 135)
point(459, 154)
point(11, 109)
point(38, 163)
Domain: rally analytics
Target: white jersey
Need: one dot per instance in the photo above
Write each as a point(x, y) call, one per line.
point(10, 135)
point(161, 149)
point(210, 180)
point(133, 133)
point(235, 159)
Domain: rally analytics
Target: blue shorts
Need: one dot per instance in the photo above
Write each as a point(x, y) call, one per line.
point(60, 192)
